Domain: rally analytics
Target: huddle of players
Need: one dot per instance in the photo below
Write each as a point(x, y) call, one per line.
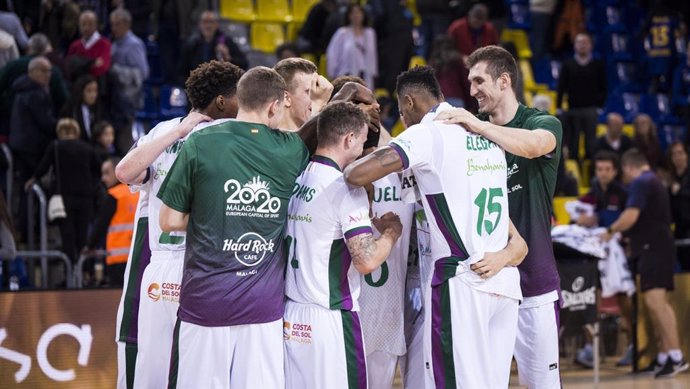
point(240, 217)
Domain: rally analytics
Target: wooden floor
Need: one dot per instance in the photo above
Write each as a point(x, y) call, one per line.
point(611, 377)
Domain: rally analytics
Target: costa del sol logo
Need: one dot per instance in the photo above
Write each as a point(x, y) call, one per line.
point(253, 199)
point(286, 330)
point(154, 291)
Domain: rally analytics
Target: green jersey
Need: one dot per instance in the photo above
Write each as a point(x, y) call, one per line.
point(235, 180)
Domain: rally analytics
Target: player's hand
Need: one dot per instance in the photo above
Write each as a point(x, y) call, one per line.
point(491, 264)
point(605, 236)
point(191, 121)
point(388, 223)
point(320, 92)
point(463, 117)
point(355, 93)
point(587, 221)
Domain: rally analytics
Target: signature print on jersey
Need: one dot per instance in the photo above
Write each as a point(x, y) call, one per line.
point(252, 199)
point(250, 249)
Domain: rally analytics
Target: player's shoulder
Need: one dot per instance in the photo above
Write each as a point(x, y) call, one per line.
point(535, 116)
point(163, 127)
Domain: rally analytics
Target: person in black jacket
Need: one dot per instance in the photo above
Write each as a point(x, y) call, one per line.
point(32, 125)
point(77, 176)
point(84, 106)
point(208, 43)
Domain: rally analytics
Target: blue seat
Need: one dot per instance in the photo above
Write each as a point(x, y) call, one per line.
point(519, 15)
point(672, 131)
point(658, 106)
point(154, 59)
point(173, 102)
point(619, 46)
point(547, 71)
point(150, 109)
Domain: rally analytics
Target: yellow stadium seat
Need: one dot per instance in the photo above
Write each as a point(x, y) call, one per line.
point(309, 57)
point(559, 211)
point(323, 66)
point(397, 129)
point(273, 11)
point(301, 8)
point(519, 39)
point(293, 30)
point(628, 130)
point(586, 172)
point(417, 61)
point(573, 168)
point(238, 10)
point(412, 6)
point(528, 77)
point(267, 36)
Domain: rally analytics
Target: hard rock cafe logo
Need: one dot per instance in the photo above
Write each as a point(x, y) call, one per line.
point(154, 291)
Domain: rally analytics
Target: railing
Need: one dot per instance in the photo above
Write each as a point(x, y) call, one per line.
point(78, 273)
point(9, 175)
point(43, 256)
point(43, 225)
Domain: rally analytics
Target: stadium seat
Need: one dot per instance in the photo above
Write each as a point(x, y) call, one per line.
point(301, 8)
point(573, 168)
point(658, 106)
point(292, 31)
point(412, 7)
point(173, 102)
point(273, 11)
point(150, 109)
point(239, 32)
point(559, 211)
point(519, 39)
point(238, 10)
point(620, 48)
point(154, 59)
point(528, 77)
point(267, 36)
point(671, 132)
point(258, 58)
point(323, 65)
point(417, 61)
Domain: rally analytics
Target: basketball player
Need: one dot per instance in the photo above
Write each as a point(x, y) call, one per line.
point(307, 93)
point(330, 243)
point(532, 141)
point(473, 296)
point(160, 286)
point(229, 189)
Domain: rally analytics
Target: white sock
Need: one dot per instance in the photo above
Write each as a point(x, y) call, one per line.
point(662, 358)
point(676, 355)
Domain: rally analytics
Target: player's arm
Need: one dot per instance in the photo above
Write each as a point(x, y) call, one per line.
point(512, 255)
point(172, 220)
point(626, 220)
point(524, 143)
point(380, 163)
point(132, 169)
point(368, 253)
point(320, 93)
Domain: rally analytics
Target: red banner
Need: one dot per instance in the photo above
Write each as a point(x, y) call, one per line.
point(58, 339)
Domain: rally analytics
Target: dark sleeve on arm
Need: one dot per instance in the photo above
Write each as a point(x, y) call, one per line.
point(562, 85)
point(100, 227)
point(42, 112)
point(637, 196)
point(46, 161)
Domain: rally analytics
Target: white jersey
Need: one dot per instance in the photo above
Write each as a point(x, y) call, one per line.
point(382, 299)
point(324, 212)
point(462, 178)
point(159, 240)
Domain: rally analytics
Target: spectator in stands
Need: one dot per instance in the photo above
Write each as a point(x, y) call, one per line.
point(680, 197)
point(59, 20)
point(208, 43)
point(646, 139)
point(76, 170)
point(84, 106)
point(141, 16)
point(114, 223)
point(470, 33)
point(38, 46)
point(541, 14)
point(172, 23)
point(9, 22)
point(104, 140)
point(436, 15)
point(287, 50)
point(312, 36)
point(8, 48)
point(647, 220)
point(129, 69)
point(608, 196)
point(352, 50)
point(449, 68)
point(393, 26)
point(583, 81)
point(91, 48)
point(661, 29)
point(681, 88)
point(614, 139)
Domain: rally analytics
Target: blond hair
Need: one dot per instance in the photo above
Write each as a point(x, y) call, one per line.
point(67, 127)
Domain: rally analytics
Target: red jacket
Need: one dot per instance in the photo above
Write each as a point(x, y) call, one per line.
point(101, 49)
point(459, 30)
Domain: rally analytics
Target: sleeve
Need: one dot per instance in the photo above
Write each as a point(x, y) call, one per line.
point(177, 188)
point(548, 123)
point(354, 213)
point(414, 146)
point(104, 54)
point(637, 196)
point(142, 63)
point(100, 226)
point(46, 161)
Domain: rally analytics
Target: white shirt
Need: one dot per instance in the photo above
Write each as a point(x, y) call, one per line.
point(462, 179)
point(324, 212)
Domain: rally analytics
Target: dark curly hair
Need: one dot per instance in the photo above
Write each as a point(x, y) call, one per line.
point(212, 79)
point(421, 78)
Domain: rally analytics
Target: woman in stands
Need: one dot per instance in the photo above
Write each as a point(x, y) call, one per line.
point(84, 106)
point(646, 139)
point(352, 50)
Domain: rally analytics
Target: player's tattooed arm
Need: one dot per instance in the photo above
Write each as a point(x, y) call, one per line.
point(368, 253)
point(380, 163)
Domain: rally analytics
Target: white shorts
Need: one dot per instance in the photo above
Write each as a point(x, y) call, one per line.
point(536, 346)
point(234, 357)
point(159, 301)
point(323, 348)
point(412, 363)
point(381, 366)
point(469, 336)
point(126, 325)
